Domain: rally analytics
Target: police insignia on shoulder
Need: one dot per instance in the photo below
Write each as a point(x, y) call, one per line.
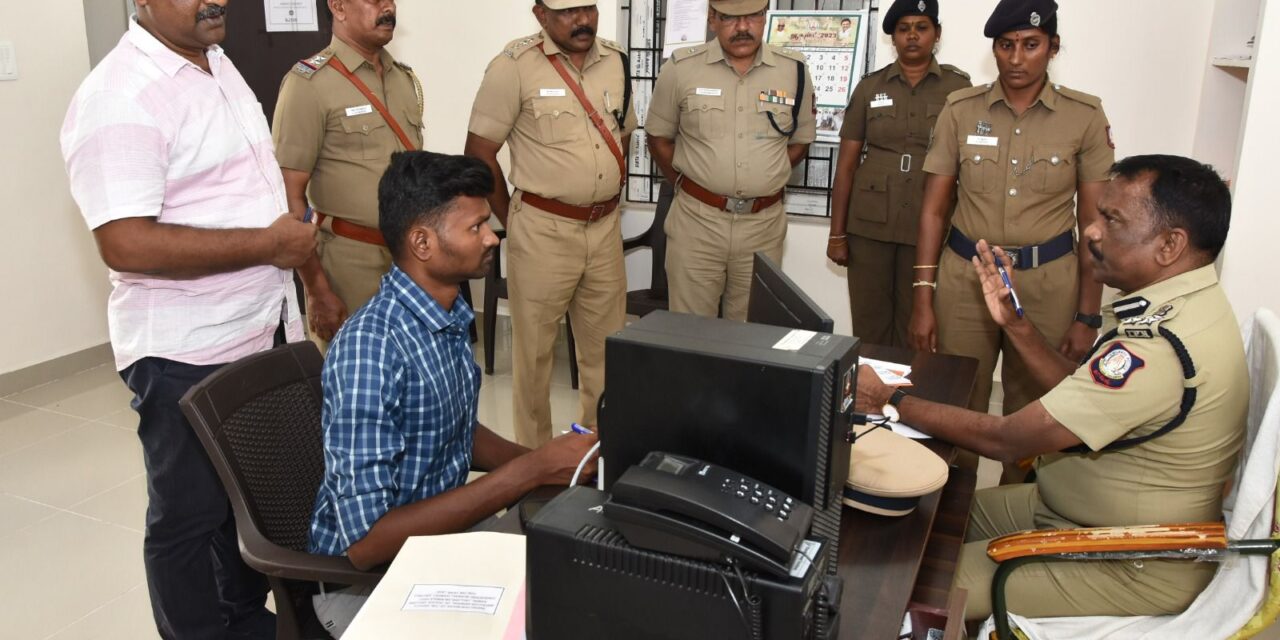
point(1113, 368)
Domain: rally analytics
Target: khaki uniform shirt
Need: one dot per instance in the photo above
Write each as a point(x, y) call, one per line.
point(324, 126)
point(1132, 386)
point(1018, 174)
point(556, 151)
point(719, 120)
point(894, 121)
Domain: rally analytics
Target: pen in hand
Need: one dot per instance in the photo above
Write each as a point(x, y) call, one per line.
point(1004, 275)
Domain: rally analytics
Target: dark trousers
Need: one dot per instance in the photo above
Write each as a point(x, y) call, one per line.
point(200, 587)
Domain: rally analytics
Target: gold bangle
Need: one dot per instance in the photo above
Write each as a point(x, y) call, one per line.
point(923, 283)
point(925, 266)
point(841, 236)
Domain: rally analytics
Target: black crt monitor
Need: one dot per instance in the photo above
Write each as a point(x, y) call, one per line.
point(777, 301)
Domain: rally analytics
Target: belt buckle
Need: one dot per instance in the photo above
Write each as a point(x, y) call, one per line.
point(597, 212)
point(738, 205)
point(1015, 254)
point(904, 163)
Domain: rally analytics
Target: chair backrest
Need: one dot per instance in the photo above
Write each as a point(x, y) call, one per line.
point(656, 239)
point(259, 421)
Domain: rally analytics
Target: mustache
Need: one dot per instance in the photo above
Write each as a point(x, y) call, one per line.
point(584, 30)
point(742, 36)
point(210, 12)
point(387, 19)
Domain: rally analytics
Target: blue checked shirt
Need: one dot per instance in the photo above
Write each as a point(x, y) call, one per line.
point(400, 394)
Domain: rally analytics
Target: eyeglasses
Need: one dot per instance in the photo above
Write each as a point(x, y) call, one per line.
point(750, 17)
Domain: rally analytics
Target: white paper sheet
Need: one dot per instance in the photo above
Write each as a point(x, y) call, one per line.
point(291, 15)
point(686, 25)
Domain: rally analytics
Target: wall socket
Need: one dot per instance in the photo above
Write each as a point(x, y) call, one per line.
point(8, 61)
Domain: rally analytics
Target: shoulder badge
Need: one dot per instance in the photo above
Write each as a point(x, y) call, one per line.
point(403, 66)
point(956, 70)
point(1114, 366)
point(417, 85)
point(308, 67)
point(1146, 326)
point(516, 48)
point(969, 92)
point(1079, 96)
point(787, 52)
point(684, 53)
point(609, 44)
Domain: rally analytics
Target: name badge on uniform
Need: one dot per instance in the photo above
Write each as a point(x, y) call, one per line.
point(360, 110)
point(983, 141)
point(705, 91)
point(551, 93)
point(881, 100)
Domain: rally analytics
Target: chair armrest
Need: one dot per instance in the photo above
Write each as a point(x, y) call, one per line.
point(1150, 539)
point(635, 242)
point(286, 563)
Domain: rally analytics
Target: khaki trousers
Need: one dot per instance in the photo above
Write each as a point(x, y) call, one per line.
point(710, 252)
point(1043, 589)
point(880, 298)
point(555, 265)
point(1049, 296)
point(354, 270)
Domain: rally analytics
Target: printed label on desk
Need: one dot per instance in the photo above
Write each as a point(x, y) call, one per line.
point(460, 598)
point(795, 340)
point(803, 558)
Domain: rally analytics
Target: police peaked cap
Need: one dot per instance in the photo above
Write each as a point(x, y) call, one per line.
point(904, 8)
point(1015, 15)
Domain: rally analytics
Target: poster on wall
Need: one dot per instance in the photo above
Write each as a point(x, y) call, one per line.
point(291, 15)
point(834, 43)
point(686, 25)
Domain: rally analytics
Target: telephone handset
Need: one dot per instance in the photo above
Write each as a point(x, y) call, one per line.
point(688, 507)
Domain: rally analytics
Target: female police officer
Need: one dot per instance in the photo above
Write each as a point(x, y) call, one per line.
point(875, 207)
point(1016, 155)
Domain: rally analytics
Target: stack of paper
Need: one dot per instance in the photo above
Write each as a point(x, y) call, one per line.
point(891, 373)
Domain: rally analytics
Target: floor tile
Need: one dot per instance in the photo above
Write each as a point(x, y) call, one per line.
point(495, 408)
point(128, 617)
point(22, 426)
point(89, 394)
point(70, 467)
point(17, 514)
point(125, 418)
point(124, 505)
point(62, 569)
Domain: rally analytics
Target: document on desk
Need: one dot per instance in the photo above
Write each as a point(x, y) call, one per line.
point(899, 428)
point(891, 373)
point(466, 585)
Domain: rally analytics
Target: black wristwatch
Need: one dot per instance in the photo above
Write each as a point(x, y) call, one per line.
point(890, 409)
point(1093, 321)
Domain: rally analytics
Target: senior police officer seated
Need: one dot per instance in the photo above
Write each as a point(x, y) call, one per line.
point(1145, 430)
point(727, 122)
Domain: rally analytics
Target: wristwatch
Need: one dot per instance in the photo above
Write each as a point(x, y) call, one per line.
point(890, 409)
point(1093, 321)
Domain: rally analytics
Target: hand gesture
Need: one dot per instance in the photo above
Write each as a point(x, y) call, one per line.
point(294, 241)
point(999, 298)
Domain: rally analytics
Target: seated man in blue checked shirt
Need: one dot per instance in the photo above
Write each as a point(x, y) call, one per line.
point(401, 383)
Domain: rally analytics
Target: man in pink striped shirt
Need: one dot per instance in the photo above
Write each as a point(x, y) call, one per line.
point(171, 162)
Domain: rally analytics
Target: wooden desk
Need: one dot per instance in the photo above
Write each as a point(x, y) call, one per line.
point(889, 562)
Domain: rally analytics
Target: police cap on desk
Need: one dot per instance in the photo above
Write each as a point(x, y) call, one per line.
point(568, 4)
point(1015, 15)
point(904, 8)
point(739, 7)
point(889, 473)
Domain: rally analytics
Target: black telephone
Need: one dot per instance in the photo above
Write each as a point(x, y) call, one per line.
point(688, 507)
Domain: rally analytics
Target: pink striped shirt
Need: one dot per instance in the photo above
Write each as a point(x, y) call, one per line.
point(149, 134)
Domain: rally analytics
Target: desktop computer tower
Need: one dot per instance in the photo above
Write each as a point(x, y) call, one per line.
point(766, 401)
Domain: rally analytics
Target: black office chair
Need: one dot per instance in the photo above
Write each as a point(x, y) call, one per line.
point(643, 301)
point(259, 421)
point(495, 286)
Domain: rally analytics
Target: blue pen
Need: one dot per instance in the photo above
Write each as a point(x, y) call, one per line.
point(306, 216)
point(1004, 275)
point(577, 428)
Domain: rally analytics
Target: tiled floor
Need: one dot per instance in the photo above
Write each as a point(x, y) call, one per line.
point(73, 500)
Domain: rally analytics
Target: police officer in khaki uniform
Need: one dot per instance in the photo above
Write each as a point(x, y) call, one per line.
point(560, 99)
point(1145, 430)
point(1027, 158)
point(727, 121)
point(879, 182)
point(333, 142)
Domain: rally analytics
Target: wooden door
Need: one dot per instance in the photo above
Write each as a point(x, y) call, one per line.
point(263, 57)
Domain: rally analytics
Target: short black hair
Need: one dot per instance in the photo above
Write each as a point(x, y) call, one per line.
point(1185, 194)
point(419, 187)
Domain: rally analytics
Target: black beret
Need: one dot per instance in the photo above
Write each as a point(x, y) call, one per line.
point(1014, 15)
point(903, 8)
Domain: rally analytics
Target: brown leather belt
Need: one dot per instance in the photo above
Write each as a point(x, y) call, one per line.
point(351, 230)
point(585, 214)
point(725, 203)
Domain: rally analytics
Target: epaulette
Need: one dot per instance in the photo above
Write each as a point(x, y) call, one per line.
point(517, 48)
point(308, 67)
point(968, 92)
point(880, 70)
point(1079, 96)
point(956, 70)
point(1138, 321)
point(684, 53)
point(789, 53)
point(609, 44)
point(403, 66)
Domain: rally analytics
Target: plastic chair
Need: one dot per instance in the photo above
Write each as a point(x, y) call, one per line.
point(1186, 541)
point(259, 421)
point(641, 302)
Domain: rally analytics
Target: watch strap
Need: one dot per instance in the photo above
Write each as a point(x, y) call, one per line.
point(1093, 321)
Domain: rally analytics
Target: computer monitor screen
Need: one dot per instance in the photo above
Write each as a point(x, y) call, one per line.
point(777, 301)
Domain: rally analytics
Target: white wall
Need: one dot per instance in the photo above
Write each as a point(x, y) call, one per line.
point(1248, 263)
point(54, 286)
